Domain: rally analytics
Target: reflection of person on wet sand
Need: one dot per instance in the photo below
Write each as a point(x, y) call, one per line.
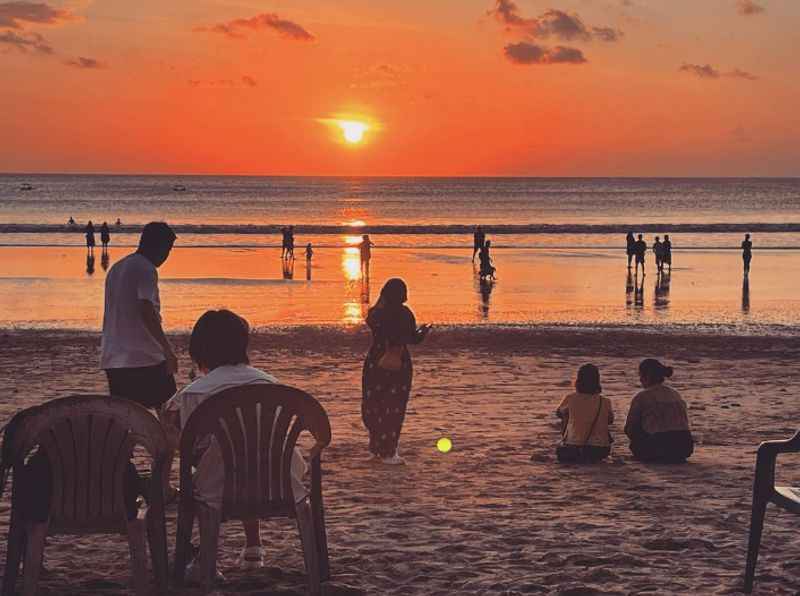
point(288, 268)
point(90, 264)
point(478, 238)
point(365, 289)
point(366, 253)
point(485, 286)
point(629, 288)
point(746, 294)
point(104, 260)
point(89, 232)
point(661, 293)
point(638, 292)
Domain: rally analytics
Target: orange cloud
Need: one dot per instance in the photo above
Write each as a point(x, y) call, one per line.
point(25, 42)
point(529, 53)
point(707, 71)
point(236, 28)
point(14, 14)
point(87, 63)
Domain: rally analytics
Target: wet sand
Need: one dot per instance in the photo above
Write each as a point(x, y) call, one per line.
point(497, 515)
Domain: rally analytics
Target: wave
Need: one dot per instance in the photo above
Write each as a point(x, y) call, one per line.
point(426, 229)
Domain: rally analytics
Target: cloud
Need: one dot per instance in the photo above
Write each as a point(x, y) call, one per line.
point(379, 76)
point(243, 81)
point(709, 72)
point(25, 42)
point(749, 8)
point(704, 72)
point(551, 23)
point(237, 28)
point(529, 53)
point(14, 14)
point(86, 63)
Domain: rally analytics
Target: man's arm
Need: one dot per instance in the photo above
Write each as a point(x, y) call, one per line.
point(152, 323)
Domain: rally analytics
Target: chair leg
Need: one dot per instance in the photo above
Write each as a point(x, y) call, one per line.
point(322, 539)
point(183, 543)
point(14, 550)
point(210, 520)
point(136, 542)
point(34, 549)
point(305, 524)
point(157, 541)
point(756, 526)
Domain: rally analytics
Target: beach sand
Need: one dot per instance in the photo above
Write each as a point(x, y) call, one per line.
point(496, 515)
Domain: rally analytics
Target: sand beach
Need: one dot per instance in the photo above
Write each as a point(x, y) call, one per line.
point(496, 515)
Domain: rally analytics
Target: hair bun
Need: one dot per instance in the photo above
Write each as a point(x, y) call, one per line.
point(668, 370)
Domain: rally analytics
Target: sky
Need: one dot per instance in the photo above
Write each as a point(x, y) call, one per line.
point(444, 87)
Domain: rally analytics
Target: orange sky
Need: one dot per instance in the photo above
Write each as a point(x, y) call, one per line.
point(455, 87)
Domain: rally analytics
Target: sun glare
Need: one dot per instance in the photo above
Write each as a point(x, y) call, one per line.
point(352, 130)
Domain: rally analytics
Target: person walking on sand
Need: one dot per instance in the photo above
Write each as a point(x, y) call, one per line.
point(365, 249)
point(105, 236)
point(137, 357)
point(478, 238)
point(89, 233)
point(658, 420)
point(747, 253)
point(658, 251)
point(667, 244)
point(640, 248)
point(585, 416)
point(290, 243)
point(630, 247)
point(388, 372)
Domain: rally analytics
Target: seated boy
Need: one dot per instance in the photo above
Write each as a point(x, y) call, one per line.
point(218, 346)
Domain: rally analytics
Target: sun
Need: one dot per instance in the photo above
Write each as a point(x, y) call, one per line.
point(353, 130)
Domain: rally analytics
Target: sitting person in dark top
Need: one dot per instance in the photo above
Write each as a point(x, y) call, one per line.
point(658, 423)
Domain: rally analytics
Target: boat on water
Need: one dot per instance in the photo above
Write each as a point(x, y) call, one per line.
point(26, 186)
point(179, 188)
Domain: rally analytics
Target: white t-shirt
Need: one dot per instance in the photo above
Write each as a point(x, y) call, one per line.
point(209, 477)
point(126, 341)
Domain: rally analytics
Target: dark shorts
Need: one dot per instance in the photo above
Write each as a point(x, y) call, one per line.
point(588, 454)
point(668, 447)
point(640, 259)
point(150, 386)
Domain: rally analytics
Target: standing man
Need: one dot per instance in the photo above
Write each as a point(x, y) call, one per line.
point(640, 249)
point(667, 252)
point(138, 359)
point(478, 238)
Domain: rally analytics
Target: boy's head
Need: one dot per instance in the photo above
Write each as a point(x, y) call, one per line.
point(219, 337)
point(156, 242)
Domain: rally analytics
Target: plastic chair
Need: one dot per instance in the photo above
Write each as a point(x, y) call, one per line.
point(765, 491)
point(88, 440)
point(256, 428)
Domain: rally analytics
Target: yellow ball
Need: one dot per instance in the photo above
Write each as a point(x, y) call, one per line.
point(444, 444)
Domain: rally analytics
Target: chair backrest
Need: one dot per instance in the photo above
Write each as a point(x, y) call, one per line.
point(256, 427)
point(88, 440)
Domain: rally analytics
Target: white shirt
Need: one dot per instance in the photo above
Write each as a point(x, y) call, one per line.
point(126, 341)
point(209, 478)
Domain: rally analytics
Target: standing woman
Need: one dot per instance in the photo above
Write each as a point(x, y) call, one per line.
point(630, 247)
point(387, 376)
point(89, 231)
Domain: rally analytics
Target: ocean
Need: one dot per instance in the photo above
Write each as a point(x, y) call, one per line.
point(558, 247)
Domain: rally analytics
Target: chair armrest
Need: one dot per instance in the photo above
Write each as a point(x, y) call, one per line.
point(316, 476)
point(767, 455)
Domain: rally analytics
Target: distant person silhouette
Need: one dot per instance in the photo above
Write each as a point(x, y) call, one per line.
point(488, 269)
point(365, 248)
point(90, 264)
point(89, 232)
point(478, 238)
point(119, 222)
point(630, 247)
point(667, 244)
point(640, 248)
point(309, 255)
point(284, 241)
point(747, 253)
point(290, 243)
point(658, 251)
point(71, 221)
point(105, 236)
